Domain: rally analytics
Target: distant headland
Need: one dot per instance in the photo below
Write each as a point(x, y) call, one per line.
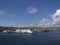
point(26, 29)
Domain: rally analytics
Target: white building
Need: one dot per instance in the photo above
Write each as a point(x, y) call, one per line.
point(23, 31)
point(17, 30)
point(26, 30)
point(6, 31)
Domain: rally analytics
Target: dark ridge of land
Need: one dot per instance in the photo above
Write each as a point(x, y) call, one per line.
point(31, 28)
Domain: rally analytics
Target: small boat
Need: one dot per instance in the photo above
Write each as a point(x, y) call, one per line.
point(46, 30)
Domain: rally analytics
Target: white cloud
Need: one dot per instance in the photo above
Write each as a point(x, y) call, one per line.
point(55, 22)
point(44, 23)
point(56, 18)
point(12, 15)
point(32, 10)
point(2, 12)
point(47, 23)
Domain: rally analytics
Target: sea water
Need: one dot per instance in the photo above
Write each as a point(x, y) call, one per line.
point(41, 38)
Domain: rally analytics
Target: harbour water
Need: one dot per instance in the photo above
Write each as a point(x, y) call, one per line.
point(40, 38)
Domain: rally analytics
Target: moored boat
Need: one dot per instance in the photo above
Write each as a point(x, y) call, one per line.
point(46, 30)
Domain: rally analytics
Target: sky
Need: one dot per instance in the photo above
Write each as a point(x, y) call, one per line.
point(30, 13)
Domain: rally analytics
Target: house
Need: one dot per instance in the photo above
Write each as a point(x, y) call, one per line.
point(7, 31)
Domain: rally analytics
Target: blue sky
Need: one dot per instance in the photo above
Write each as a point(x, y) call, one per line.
point(27, 12)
